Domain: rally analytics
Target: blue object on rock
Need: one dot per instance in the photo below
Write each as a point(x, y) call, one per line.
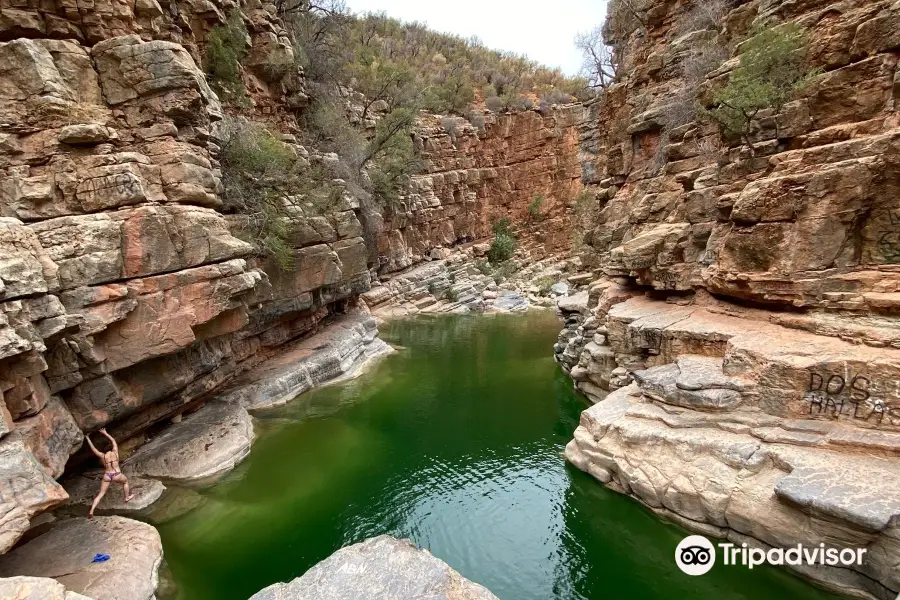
point(98, 558)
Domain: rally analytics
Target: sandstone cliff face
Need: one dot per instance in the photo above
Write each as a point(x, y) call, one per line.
point(743, 341)
point(810, 221)
point(126, 293)
point(475, 177)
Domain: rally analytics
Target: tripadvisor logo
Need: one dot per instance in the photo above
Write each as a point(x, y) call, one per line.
point(696, 555)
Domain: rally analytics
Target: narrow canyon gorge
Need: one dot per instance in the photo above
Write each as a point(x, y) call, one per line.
point(730, 303)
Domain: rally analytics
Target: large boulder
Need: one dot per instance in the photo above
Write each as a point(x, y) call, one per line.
point(24, 266)
point(66, 552)
point(130, 68)
point(204, 446)
point(381, 568)
point(25, 490)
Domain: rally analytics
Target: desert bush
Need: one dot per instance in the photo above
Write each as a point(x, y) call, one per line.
point(443, 70)
point(704, 15)
point(316, 31)
point(259, 173)
point(226, 47)
point(381, 165)
point(503, 271)
point(503, 245)
point(681, 108)
point(700, 61)
point(381, 81)
point(266, 183)
point(451, 127)
point(476, 119)
point(514, 101)
point(451, 92)
point(544, 284)
point(503, 226)
point(502, 249)
point(494, 103)
point(390, 158)
point(772, 70)
point(556, 97)
point(483, 266)
point(534, 208)
point(624, 17)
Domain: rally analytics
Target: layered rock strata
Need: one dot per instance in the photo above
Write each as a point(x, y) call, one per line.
point(741, 428)
point(339, 351)
point(475, 176)
point(741, 339)
point(381, 568)
point(806, 218)
point(464, 282)
point(127, 295)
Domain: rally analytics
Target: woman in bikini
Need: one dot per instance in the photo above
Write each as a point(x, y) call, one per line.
point(111, 471)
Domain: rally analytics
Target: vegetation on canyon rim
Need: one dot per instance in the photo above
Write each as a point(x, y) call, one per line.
point(369, 77)
point(448, 70)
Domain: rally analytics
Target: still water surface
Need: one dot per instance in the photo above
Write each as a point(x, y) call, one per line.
point(455, 441)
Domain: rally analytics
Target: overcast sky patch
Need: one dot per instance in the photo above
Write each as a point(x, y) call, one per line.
point(542, 30)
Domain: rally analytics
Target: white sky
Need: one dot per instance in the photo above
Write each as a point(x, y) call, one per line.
point(542, 30)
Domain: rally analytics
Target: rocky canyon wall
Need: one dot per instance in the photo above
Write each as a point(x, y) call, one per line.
point(474, 177)
point(742, 340)
point(126, 293)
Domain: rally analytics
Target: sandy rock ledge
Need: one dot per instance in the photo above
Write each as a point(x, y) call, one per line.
point(65, 554)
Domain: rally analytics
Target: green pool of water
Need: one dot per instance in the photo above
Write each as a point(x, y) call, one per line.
point(455, 441)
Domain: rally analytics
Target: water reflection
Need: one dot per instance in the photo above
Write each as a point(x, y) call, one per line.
point(456, 443)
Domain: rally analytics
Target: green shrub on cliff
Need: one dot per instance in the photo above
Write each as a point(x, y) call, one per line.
point(503, 226)
point(503, 246)
point(502, 249)
point(390, 156)
point(534, 208)
point(226, 47)
point(503, 271)
point(771, 71)
point(269, 188)
point(544, 284)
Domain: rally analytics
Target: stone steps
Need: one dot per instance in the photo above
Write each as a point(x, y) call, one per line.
point(773, 485)
point(731, 423)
